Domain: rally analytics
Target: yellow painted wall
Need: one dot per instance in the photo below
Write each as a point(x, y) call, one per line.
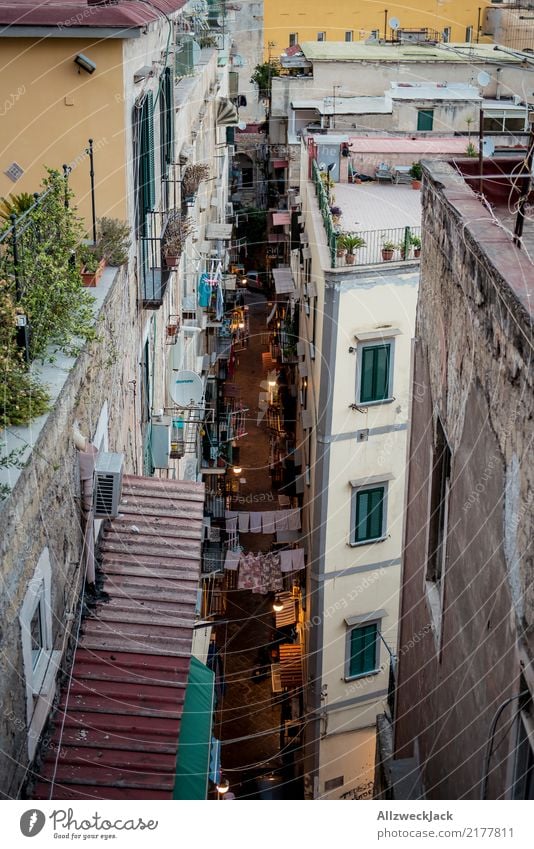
point(48, 111)
point(307, 19)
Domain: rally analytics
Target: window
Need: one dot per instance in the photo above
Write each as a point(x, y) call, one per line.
point(469, 34)
point(362, 650)
point(293, 39)
point(425, 119)
point(375, 372)
point(523, 787)
point(40, 662)
point(37, 634)
point(439, 497)
point(321, 36)
point(500, 123)
point(349, 35)
point(144, 158)
point(446, 35)
point(368, 513)
point(166, 121)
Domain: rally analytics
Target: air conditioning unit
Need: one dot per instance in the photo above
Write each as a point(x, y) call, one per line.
point(107, 484)
point(231, 150)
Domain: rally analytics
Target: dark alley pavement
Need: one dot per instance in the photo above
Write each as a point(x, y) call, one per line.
point(249, 716)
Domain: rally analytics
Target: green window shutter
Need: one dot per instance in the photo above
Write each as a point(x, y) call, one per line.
point(147, 185)
point(369, 514)
point(425, 119)
point(363, 650)
point(375, 373)
point(169, 106)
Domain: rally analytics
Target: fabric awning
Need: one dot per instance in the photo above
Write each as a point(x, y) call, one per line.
point(226, 113)
point(311, 290)
point(280, 163)
point(291, 665)
point(192, 764)
point(288, 614)
point(283, 281)
point(280, 218)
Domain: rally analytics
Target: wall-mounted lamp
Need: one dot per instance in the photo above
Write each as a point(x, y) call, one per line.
point(237, 470)
point(223, 786)
point(85, 63)
point(278, 604)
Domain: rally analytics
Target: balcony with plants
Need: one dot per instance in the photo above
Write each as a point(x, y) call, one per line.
point(346, 209)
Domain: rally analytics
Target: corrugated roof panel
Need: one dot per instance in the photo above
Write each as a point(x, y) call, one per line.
point(117, 729)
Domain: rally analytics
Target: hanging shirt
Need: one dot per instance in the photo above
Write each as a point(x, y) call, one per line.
point(204, 291)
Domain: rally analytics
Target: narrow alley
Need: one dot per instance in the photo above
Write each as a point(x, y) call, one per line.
point(254, 715)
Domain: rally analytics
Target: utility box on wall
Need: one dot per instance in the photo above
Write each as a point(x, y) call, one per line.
point(161, 442)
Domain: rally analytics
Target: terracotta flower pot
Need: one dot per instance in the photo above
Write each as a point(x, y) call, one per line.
point(416, 184)
point(387, 254)
point(350, 259)
point(417, 252)
point(90, 278)
point(172, 260)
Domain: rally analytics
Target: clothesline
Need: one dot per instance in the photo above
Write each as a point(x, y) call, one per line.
point(267, 522)
point(263, 572)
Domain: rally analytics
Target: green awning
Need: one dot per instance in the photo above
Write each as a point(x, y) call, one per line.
point(192, 764)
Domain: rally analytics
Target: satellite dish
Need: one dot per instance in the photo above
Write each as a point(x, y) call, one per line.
point(186, 388)
point(483, 79)
point(242, 125)
point(394, 23)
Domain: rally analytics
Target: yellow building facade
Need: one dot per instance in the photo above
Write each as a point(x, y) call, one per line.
point(51, 110)
point(285, 24)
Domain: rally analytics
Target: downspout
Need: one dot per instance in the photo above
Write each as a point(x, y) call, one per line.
point(87, 454)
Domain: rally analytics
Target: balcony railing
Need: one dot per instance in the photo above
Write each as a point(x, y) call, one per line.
point(324, 206)
point(154, 274)
point(401, 244)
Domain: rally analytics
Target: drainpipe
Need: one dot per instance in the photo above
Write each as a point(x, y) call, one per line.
point(499, 84)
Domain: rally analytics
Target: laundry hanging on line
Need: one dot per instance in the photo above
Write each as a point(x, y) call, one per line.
point(266, 522)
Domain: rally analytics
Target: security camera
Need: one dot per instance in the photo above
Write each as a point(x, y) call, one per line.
point(85, 63)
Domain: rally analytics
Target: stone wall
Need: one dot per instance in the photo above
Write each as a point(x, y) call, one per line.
point(473, 343)
point(44, 507)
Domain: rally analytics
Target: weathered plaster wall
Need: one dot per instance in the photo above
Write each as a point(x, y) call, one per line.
point(472, 369)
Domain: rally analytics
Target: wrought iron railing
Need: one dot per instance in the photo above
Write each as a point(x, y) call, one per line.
point(400, 244)
point(324, 205)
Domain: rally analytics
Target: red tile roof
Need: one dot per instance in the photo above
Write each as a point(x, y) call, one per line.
point(78, 13)
point(122, 715)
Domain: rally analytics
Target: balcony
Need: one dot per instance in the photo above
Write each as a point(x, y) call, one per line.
point(382, 215)
point(153, 272)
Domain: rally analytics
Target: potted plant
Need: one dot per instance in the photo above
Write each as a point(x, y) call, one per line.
point(350, 242)
point(416, 173)
point(113, 240)
point(192, 178)
point(92, 264)
point(415, 242)
point(388, 249)
point(174, 238)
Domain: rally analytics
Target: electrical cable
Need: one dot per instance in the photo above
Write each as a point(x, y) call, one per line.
point(489, 748)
